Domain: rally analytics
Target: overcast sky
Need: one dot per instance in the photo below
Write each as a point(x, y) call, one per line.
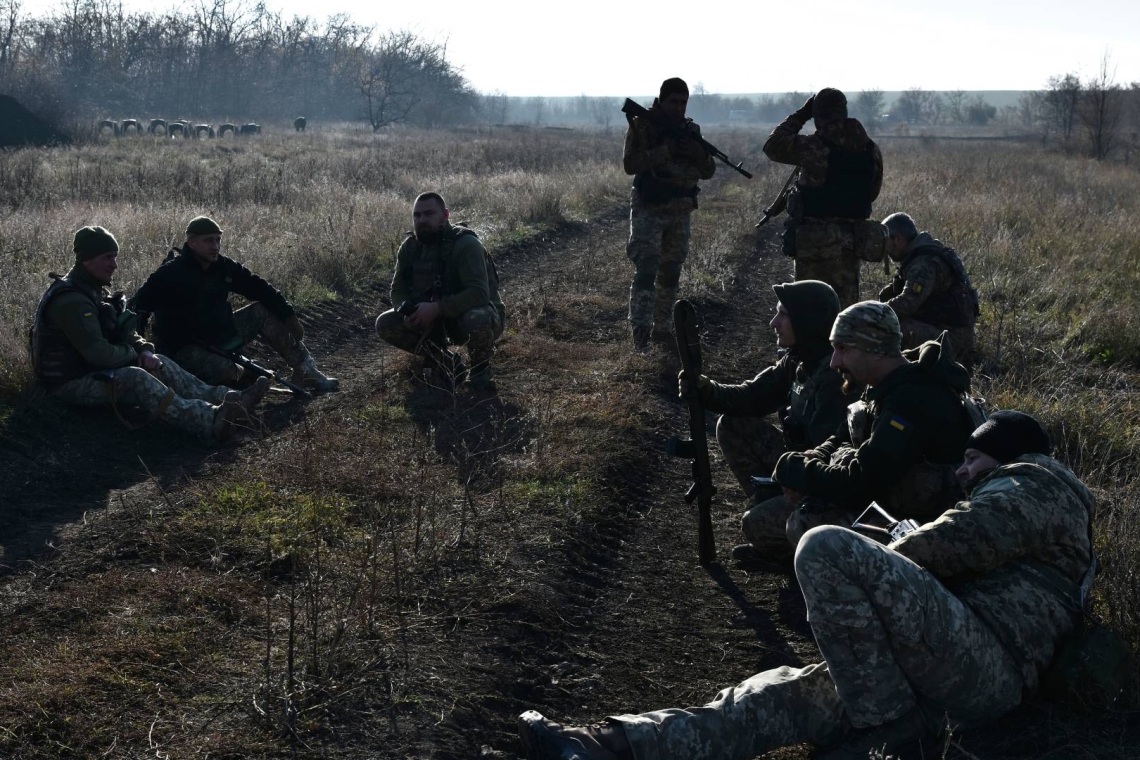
point(610, 47)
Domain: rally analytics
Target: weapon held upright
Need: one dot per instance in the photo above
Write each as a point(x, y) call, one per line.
point(678, 132)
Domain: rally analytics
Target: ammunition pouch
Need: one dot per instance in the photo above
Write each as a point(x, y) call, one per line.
point(789, 238)
point(870, 240)
point(654, 192)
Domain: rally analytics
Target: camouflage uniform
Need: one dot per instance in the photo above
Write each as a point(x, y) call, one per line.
point(959, 618)
point(931, 293)
point(251, 321)
point(900, 448)
point(84, 350)
point(471, 311)
point(828, 244)
point(660, 204)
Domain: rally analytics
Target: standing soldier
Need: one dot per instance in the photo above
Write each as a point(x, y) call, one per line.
point(840, 175)
point(189, 297)
point(665, 172)
point(445, 290)
point(86, 351)
point(931, 292)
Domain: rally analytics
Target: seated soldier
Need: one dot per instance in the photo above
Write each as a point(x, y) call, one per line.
point(902, 441)
point(193, 320)
point(86, 351)
point(801, 388)
point(925, 629)
point(931, 292)
point(445, 291)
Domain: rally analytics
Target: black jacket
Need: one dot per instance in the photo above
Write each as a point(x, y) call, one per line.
point(192, 305)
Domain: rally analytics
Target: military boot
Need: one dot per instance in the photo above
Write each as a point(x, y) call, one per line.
point(546, 740)
point(641, 335)
point(252, 395)
point(885, 740)
point(225, 415)
point(480, 376)
point(310, 378)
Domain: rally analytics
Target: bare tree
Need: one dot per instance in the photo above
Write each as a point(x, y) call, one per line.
point(1061, 100)
point(393, 74)
point(538, 106)
point(869, 105)
point(956, 106)
point(1101, 109)
point(911, 104)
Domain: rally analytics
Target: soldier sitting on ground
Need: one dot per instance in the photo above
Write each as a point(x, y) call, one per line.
point(86, 351)
point(903, 439)
point(445, 291)
point(956, 620)
point(189, 297)
point(801, 388)
point(931, 292)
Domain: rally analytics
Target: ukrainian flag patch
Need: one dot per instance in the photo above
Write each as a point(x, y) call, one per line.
point(898, 423)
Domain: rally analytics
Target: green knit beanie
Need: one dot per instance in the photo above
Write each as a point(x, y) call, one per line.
point(202, 225)
point(93, 241)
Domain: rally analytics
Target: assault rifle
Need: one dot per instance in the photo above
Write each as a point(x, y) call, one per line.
point(687, 328)
point(253, 367)
point(678, 131)
point(781, 203)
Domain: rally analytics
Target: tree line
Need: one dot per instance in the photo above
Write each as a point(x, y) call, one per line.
point(224, 60)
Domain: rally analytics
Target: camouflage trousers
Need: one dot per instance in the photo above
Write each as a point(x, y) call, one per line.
point(252, 321)
point(658, 246)
point(192, 407)
point(826, 251)
point(892, 637)
point(750, 446)
point(916, 333)
point(477, 328)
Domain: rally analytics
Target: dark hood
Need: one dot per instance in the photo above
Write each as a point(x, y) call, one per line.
point(848, 134)
point(935, 360)
point(813, 307)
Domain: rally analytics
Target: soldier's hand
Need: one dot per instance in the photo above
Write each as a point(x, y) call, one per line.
point(805, 109)
point(295, 328)
point(423, 316)
point(686, 388)
point(149, 362)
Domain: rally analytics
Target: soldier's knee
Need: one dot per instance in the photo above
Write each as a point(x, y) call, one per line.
point(130, 379)
point(822, 543)
point(645, 274)
point(669, 274)
point(476, 321)
point(388, 323)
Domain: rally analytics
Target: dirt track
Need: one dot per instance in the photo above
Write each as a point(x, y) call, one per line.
point(614, 615)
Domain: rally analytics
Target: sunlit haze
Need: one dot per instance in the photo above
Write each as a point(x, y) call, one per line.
point(611, 48)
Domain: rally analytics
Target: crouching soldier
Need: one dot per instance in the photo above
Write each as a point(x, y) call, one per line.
point(804, 392)
point(445, 291)
point(86, 351)
point(193, 320)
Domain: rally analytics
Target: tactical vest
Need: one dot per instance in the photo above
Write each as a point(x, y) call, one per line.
point(797, 413)
point(426, 277)
point(55, 360)
point(657, 190)
point(847, 186)
point(957, 306)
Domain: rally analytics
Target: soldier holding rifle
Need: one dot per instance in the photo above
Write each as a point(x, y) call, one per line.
point(829, 200)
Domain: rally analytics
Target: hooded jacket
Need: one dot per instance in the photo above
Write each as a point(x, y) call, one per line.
point(801, 387)
point(932, 286)
point(916, 428)
point(1015, 553)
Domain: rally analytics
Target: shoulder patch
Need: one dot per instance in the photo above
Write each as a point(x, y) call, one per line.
point(898, 423)
point(917, 287)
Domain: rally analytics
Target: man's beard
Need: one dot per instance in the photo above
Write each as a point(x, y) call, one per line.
point(849, 385)
point(425, 235)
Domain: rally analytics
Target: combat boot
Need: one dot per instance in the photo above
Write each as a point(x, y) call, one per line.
point(480, 377)
point(885, 740)
point(225, 415)
point(546, 740)
point(310, 378)
point(641, 336)
point(252, 395)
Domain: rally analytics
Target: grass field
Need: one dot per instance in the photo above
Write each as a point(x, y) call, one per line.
point(364, 570)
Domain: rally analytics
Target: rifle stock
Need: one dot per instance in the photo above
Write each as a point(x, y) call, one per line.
point(687, 328)
point(678, 131)
point(256, 369)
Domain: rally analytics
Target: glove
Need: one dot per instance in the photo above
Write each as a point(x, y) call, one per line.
point(295, 328)
point(805, 111)
point(686, 388)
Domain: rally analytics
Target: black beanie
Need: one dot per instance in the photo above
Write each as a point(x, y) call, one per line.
point(829, 104)
point(90, 242)
point(669, 86)
point(1007, 435)
point(812, 306)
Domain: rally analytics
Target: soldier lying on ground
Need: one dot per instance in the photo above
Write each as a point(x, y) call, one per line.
point(664, 195)
point(957, 620)
point(86, 351)
point(445, 291)
point(902, 440)
point(931, 292)
point(189, 297)
point(801, 388)
point(841, 173)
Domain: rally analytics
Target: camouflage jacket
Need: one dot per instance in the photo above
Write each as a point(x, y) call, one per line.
point(930, 287)
point(1015, 553)
point(807, 395)
point(810, 152)
point(649, 150)
point(916, 427)
point(458, 259)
